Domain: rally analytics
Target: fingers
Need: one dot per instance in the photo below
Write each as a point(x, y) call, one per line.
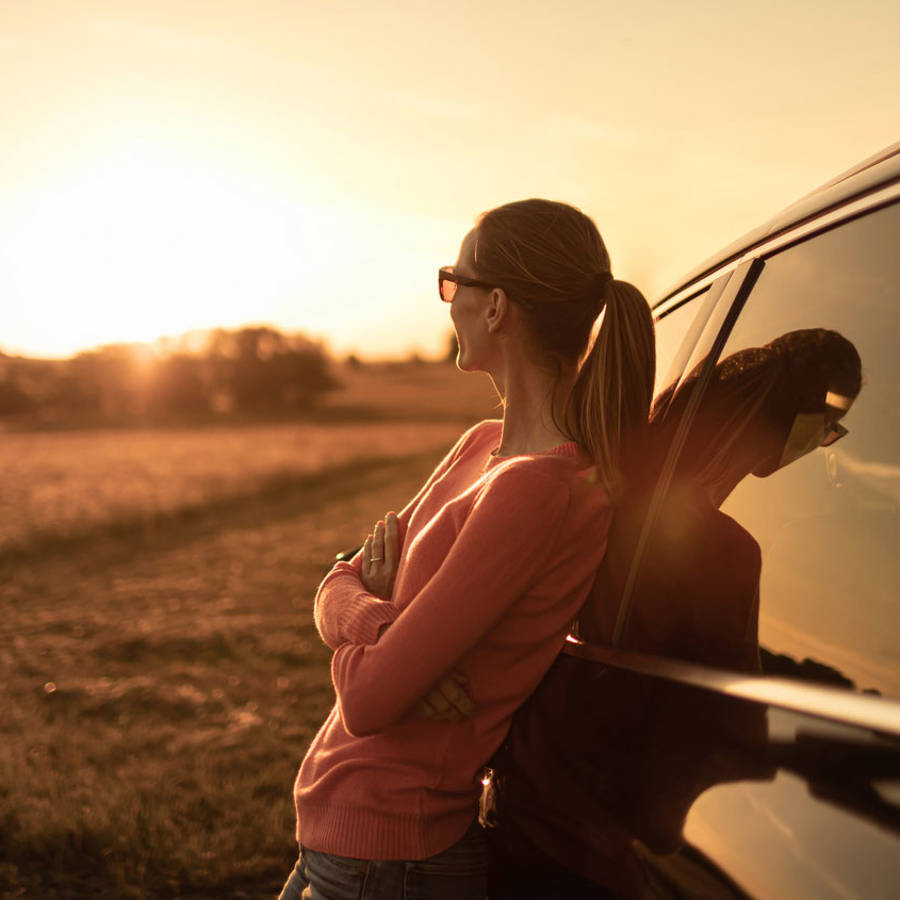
point(383, 544)
point(457, 692)
point(434, 705)
point(436, 698)
point(378, 542)
point(449, 699)
point(381, 556)
point(373, 547)
point(391, 540)
point(424, 708)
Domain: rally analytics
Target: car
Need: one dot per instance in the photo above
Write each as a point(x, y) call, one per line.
point(810, 807)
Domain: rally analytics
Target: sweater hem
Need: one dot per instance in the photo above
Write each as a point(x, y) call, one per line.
point(369, 834)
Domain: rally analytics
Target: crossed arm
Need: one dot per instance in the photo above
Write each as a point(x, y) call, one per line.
point(353, 605)
point(366, 618)
point(353, 602)
point(504, 545)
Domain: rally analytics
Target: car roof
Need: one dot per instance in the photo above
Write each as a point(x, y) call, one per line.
point(872, 173)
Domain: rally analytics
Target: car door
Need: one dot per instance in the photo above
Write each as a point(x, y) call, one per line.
point(807, 800)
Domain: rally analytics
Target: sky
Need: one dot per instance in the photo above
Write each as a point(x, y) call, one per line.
point(171, 166)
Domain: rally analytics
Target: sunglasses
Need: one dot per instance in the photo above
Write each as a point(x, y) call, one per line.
point(448, 281)
point(833, 435)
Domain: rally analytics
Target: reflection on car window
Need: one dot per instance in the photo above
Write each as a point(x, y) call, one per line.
point(828, 524)
point(685, 574)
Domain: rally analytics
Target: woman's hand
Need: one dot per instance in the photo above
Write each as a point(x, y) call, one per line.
point(448, 700)
point(380, 557)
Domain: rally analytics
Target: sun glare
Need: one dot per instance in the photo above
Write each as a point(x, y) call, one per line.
point(146, 243)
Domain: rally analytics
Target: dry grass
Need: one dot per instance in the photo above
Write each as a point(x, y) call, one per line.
point(161, 675)
point(59, 484)
point(64, 483)
point(422, 392)
point(161, 689)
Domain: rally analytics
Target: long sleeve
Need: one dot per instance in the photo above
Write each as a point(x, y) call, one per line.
point(344, 612)
point(502, 548)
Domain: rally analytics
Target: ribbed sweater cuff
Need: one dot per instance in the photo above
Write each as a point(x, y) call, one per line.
point(360, 621)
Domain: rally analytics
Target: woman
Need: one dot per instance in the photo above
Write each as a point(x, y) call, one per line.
point(478, 579)
point(598, 756)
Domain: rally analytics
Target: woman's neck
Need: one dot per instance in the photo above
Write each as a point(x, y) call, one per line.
point(529, 425)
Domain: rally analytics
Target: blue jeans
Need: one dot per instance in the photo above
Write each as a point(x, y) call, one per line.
point(457, 873)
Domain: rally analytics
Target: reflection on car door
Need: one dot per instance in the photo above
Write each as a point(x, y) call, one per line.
point(828, 526)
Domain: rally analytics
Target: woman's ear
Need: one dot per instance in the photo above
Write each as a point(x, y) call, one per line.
point(497, 310)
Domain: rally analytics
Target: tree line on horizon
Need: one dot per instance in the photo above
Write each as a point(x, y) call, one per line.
point(249, 371)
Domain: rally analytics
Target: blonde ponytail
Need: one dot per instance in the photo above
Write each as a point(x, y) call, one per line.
point(610, 403)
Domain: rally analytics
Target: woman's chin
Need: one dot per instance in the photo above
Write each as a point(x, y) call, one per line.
point(470, 362)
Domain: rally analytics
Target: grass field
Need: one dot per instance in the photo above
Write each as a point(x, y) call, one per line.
point(59, 485)
point(161, 674)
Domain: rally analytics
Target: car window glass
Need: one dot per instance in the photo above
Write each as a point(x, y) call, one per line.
point(827, 521)
point(676, 334)
point(686, 336)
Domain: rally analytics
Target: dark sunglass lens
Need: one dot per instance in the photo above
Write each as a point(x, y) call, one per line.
point(835, 433)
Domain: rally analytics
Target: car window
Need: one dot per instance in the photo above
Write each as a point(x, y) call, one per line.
point(828, 521)
point(676, 334)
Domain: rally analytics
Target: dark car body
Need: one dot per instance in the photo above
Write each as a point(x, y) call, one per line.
point(810, 806)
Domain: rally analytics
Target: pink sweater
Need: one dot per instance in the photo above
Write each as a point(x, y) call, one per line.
point(498, 555)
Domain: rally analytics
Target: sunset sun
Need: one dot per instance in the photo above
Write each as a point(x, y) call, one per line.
point(148, 242)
